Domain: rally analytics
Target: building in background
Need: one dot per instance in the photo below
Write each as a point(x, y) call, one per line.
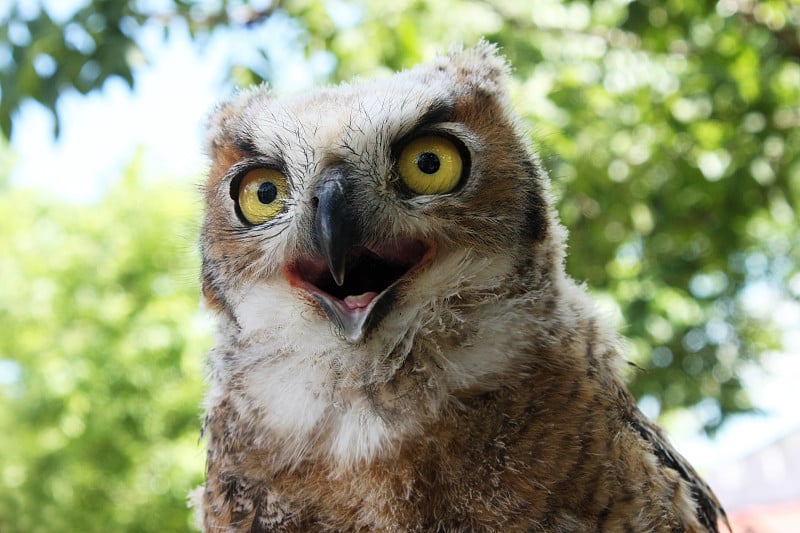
point(761, 491)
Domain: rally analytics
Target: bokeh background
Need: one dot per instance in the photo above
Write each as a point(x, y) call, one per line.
point(670, 129)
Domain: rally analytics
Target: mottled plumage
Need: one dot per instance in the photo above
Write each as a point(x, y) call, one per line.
point(398, 345)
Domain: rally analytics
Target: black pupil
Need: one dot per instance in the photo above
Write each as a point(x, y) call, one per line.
point(428, 163)
point(267, 192)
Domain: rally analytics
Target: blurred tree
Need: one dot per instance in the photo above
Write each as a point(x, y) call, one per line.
point(101, 361)
point(670, 130)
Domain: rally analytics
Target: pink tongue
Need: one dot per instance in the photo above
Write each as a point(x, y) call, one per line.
point(361, 301)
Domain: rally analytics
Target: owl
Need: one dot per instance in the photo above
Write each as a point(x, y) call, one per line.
point(398, 346)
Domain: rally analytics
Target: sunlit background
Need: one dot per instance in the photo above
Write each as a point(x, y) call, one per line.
point(670, 130)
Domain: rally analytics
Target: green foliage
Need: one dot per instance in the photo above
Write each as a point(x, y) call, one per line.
point(45, 58)
point(670, 130)
point(100, 362)
point(42, 57)
point(658, 120)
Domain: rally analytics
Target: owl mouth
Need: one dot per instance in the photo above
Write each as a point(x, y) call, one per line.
point(367, 293)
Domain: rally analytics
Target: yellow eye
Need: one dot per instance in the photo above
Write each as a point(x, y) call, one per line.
point(262, 195)
point(430, 165)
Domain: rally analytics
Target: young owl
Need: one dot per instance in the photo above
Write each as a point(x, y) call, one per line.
point(398, 345)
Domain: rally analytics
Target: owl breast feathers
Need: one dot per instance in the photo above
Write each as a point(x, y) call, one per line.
point(398, 347)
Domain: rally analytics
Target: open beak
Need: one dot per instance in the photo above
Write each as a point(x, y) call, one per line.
point(353, 282)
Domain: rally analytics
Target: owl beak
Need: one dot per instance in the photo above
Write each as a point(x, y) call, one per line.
point(334, 227)
point(354, 283)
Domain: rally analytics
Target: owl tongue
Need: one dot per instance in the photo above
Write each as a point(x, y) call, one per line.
point(361, 301)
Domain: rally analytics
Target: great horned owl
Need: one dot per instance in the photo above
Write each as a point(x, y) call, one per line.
point(398, 345)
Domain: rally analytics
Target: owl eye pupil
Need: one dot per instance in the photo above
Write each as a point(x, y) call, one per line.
point(267, 192)
point(428, 163)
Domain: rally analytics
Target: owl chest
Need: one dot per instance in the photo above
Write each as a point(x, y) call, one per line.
point(418, 490)
point(498, 468)
point(426, 487)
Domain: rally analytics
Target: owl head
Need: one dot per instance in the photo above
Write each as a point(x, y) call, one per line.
point(374, 218)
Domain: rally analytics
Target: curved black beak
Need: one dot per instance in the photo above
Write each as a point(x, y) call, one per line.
point(334, 225)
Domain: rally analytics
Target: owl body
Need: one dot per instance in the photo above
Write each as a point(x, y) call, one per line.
point(398, 345)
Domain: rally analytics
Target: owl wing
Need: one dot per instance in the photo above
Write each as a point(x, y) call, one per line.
point(708, 509)
point(240, 505)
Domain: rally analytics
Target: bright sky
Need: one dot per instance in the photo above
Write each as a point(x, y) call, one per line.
point(163, 117)
point(101, 133)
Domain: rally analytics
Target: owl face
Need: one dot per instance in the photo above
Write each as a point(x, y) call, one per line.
point(361, 208)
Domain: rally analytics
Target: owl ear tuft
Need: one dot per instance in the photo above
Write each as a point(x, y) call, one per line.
point(216, 127)
point(481, 66)
point(225, 122)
